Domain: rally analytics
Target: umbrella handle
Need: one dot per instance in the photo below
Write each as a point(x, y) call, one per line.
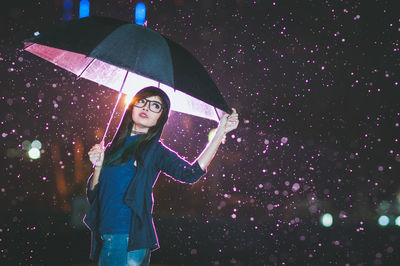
point(109, 122)
point(105, 147)
point(112, 114)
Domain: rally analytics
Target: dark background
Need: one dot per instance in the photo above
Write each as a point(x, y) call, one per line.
point(316, 85)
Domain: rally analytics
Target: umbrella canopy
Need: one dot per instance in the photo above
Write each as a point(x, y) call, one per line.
point(128, 57)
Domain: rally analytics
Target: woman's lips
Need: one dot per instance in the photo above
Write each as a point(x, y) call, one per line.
point(143, 115)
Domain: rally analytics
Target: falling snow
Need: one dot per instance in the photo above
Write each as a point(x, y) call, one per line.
point(316, 86)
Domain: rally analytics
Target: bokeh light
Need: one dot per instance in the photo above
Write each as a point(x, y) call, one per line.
point(397, 221)
point(140, 13)
point(211, 134)
point(34, 153)
point(127, 100)
point(383, 220)
point(327, 220)
point(26, 145)
point(84, 8)
point(36, 144)
point(68, 9)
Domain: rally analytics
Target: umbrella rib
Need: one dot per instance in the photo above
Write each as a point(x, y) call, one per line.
point(86, 67)
point(219, 118)
point(29, 46)
point(115, 106)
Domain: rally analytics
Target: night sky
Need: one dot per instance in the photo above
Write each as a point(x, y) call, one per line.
point(316, 86)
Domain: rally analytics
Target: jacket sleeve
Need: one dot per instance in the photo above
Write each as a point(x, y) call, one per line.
point(170, 163)
point(91, 194)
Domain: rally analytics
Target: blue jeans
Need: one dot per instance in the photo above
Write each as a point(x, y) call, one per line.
point(114, 252)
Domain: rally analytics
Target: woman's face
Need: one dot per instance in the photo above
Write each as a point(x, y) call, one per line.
point(146, 115)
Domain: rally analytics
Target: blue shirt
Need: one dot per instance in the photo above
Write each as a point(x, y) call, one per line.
point(115, 215)
point(139, 197)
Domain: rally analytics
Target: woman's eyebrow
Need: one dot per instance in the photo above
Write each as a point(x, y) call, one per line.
point(155, 101)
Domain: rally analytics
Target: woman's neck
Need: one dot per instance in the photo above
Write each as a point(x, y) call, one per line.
point(137, 130)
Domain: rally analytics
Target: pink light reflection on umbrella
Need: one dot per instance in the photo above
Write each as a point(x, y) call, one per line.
point(121, 80)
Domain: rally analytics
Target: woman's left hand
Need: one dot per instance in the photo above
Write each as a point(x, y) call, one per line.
point(226, 124)
point(229, 122)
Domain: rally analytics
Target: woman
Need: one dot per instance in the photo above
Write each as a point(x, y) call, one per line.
point(120, 188)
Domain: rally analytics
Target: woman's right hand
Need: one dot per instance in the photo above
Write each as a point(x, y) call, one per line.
point(96, 154)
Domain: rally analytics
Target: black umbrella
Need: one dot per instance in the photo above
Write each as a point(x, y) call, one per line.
point(127, 57)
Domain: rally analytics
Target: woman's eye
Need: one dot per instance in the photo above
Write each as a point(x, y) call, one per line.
point(156, 105)
point(142, 101)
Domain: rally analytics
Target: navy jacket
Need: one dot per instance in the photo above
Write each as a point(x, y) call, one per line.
point(139, 196)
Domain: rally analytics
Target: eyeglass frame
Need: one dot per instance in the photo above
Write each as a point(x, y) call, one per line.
point(149, 101)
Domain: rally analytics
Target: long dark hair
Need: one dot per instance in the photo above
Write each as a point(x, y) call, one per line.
point(116, 154)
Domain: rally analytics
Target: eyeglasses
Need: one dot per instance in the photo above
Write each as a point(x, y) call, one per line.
point(154, 106)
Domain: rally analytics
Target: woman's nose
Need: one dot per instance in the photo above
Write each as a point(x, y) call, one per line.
point(145, 106)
